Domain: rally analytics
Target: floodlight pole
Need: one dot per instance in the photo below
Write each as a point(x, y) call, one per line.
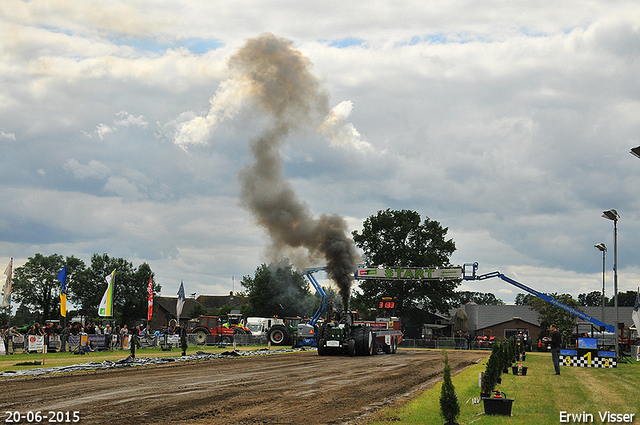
point(614, 216)
point(603, 248)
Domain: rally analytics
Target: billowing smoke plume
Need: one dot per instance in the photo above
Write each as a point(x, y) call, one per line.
point(277, 78)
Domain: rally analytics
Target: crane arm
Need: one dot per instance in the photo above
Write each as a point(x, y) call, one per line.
point(323, 296)
point(469, 273)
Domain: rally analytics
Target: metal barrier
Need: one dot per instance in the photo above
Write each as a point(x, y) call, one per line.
point(19, 343)
point(439, 343)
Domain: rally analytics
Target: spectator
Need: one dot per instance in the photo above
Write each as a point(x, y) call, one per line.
point(107, 330)
point(65, 337)
point(556, 345)
point(3, 336)
point(91, 329)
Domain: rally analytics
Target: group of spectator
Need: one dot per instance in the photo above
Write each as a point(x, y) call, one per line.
point(76, 328)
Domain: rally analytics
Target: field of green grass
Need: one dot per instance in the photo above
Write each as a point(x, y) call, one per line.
point(10, 362)
point(539, 397)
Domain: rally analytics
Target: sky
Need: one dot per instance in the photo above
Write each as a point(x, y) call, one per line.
point(125, 131)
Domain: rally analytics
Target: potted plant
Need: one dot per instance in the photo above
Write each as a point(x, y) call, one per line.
point(519, 369)
point(505, 357)
point(449, 406)
point(499, 404)
point(492, 371)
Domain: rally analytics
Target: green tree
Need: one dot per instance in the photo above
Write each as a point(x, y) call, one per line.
point(277, 289)
point(549, 314)
point(5, 315)
point(395, 238)
point(24, 316)
point(130, 293)
point(493, 370)
point(592, 299)
point(197, 311)
point(480, 298)
point(449, 405)
point(625, 299)
point(36, 287)
point(523, 299)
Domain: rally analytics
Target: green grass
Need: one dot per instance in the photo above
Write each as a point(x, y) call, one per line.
point(539, 397)
point(66, 359)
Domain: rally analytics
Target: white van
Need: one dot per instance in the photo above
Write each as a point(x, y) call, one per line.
point(259, 326)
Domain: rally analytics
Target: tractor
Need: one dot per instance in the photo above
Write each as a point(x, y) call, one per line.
point(345, 335)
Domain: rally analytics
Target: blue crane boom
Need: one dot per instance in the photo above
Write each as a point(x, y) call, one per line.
point(323, 305)
point(469, 273)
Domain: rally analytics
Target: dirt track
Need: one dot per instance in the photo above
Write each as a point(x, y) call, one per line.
point(289, 388)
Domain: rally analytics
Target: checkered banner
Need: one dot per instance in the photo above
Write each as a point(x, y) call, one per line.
point(588, 361)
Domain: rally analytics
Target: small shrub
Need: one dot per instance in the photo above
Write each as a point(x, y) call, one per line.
point(449, 406)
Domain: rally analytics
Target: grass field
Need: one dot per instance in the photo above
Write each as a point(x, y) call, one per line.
point(66, 359)
point(539, 397)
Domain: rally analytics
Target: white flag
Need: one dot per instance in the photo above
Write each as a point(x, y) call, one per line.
point(6, 289)
point(106, 305)
point(180, 303)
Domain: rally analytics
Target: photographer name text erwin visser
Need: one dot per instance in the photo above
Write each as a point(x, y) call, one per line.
point(606, 416)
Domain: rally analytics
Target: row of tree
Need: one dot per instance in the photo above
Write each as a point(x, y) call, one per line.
point(591, 299)
point(37, 289)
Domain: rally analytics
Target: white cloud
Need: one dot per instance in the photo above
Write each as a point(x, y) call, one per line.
point(7, 136)
point(94, 169)
point(509, 124)
point(342, 133)
point(128, 120)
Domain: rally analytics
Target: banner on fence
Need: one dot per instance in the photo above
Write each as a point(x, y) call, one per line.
point(53, 343)
point(125, 342)
point(36, 342)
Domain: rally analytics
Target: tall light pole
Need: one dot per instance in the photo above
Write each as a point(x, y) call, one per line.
point(614, 216)
point(603, 248)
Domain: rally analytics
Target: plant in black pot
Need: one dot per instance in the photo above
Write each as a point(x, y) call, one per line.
point(499, 404)
point(492, 372)
point(505, 357)
point(449, 406)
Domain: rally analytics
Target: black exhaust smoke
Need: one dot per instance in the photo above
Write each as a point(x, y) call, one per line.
point(278, 79)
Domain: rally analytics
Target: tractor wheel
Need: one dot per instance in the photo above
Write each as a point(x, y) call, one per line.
point(324, 331)
point(226, 340)
point(364, 340)
point(367, 341)
point(322, 351)
point(388, 348)
point(201, 336)
point(278, 335)
point(352, 347)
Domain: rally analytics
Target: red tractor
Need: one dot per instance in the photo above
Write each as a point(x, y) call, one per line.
point(210, 325)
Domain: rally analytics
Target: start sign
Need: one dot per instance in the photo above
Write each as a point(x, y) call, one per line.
point(407, 273)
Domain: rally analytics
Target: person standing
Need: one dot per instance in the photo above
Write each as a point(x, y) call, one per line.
point(556, 342)
point(65, 337)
